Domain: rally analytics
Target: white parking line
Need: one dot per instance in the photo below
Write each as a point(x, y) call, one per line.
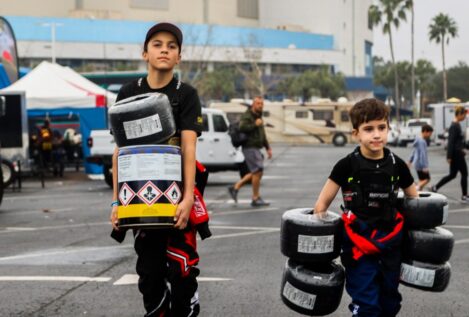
point(241, 211)
point(244, 228)
point(231, 201)
point(461, 241)
point(456, 227)
point(452, 211)
point(129, 279)
point(241, 234)
point(60, 252)
point(19, 229)
point(54, 278)
point(79, 225)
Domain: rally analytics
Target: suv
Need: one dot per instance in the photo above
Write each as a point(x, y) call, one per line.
point(214, 148)
point(411, 130)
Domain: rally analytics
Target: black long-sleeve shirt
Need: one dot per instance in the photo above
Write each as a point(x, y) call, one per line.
point(455, 141)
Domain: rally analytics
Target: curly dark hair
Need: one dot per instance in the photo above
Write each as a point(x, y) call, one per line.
point(367, 110)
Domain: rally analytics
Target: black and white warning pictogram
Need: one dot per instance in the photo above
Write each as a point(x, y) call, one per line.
point(173, 193)
point(126, 194)
point(149, 193)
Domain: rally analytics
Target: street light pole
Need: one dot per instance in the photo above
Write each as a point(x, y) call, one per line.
point(53, 26)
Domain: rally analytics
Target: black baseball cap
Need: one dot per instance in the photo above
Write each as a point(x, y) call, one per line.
point(166, 27)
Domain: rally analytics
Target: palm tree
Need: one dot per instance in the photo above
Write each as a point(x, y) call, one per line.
point(390, 13)
point(442, 28)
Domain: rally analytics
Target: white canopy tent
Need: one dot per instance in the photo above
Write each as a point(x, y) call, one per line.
point(50, 86)
point(55, 91)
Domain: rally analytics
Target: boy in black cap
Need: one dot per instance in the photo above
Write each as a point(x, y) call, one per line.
point(168, 255)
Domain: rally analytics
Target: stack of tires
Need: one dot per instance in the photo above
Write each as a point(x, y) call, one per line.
point(312, 283)
point(426, 247)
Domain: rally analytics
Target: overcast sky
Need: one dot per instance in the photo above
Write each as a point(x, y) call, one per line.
point(425, 10)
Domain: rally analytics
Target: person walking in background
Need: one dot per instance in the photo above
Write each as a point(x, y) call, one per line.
point(419, 156)
point(252, 124)
point(455, 154)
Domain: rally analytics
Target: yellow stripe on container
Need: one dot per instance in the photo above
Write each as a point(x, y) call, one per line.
point(143, 210)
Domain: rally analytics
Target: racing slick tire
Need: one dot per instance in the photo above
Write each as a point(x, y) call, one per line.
point(425, 276)
point(339, 139)
point(428, 245)
point(312, 289)
point(306, 238)
point(427, 211)
point(142, 120)
point(8, 173)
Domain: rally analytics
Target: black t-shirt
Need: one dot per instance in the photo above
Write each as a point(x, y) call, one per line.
point(183, 98)
point(343, 170)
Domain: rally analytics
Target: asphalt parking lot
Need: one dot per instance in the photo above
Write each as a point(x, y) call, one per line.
point(57, 259)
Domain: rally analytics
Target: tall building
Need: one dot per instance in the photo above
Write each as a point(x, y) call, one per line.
point(282, 37)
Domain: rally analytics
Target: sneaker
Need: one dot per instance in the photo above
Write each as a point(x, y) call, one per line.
point(233, 193)
point(433, 189)
point(259, 202)
point(465, 199)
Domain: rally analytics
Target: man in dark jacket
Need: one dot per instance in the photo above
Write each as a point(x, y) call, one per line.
point(252, 124)
point(455, 154)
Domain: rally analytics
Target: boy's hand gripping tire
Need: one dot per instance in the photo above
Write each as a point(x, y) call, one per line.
point(427, 211)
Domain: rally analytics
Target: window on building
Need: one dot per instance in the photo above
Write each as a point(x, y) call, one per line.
point(248, 9)
point(301, 114)
point(322, 115)
point(205, 120)
point(79, 4)
point(150, 4)
point(219, 124)
point(368, 59)
point(344, 116)
point(370, 23)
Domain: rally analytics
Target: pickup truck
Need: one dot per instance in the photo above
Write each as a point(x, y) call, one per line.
point(411, 129)
point(214, 148)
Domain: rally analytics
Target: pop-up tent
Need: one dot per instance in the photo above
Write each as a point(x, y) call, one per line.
point(53, 90)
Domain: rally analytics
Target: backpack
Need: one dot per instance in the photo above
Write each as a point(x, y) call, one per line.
point(238, 138)
point(45, 135)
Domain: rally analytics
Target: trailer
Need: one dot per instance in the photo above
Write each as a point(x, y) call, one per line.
point(443, 115)
point(14, 139)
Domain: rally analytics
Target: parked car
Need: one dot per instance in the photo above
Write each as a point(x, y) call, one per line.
point(411, 129)
point(214, 148)
point(393, 134)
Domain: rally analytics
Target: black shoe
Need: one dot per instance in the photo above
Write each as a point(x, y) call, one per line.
point(259, 202)
point(233, 193)
point(433, 189)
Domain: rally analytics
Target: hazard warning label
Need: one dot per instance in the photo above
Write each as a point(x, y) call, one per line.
point(149, 193)
point(173, 193)
point(126, 194)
